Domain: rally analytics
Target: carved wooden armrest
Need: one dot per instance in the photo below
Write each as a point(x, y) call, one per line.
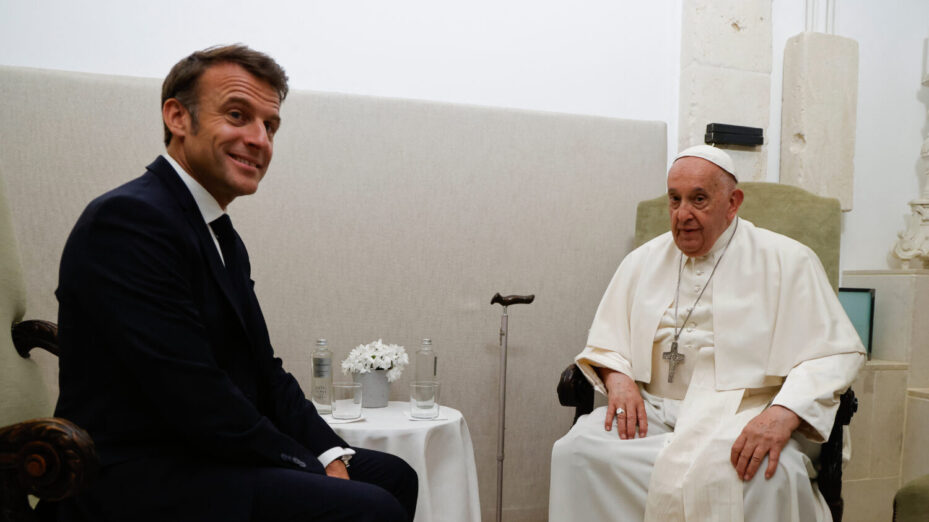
point(830, 456)
point(48, 458)
point(35, 334)
point(575, 390)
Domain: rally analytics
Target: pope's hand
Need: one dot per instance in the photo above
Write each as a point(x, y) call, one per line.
point(766, 434)
point(623, 397)
point(337, 469)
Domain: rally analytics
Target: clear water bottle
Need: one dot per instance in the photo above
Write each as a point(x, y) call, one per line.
point(322, 377)
point(426, 362)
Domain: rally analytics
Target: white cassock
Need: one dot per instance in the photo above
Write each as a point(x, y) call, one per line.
point(768, 329)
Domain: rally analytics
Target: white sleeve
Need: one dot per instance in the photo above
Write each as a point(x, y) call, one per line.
point(812, 390)
point(593, 357)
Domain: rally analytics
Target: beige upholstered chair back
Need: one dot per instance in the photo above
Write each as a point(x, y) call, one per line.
point(22, 390)
point(812, 220)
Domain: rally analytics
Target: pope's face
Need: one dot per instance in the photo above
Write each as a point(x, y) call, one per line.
point(229, 147)
point(703, 200)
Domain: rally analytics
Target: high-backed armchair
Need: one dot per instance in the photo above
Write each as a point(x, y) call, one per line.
point(48, 458)
point(812, 220)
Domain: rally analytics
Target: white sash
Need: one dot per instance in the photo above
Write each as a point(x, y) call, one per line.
point(693, 478)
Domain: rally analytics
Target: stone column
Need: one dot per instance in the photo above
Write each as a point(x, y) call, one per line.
point(726, 74)
point(818, 115)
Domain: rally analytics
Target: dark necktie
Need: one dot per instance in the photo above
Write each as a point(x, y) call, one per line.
point(222, 227)
point(235, 273)
point(225, 234)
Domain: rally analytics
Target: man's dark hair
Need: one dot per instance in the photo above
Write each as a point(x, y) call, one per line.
point(181, 83)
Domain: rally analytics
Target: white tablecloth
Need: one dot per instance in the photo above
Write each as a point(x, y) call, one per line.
point(439, 450)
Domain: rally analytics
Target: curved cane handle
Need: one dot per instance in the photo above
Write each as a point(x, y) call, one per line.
point(512, 299)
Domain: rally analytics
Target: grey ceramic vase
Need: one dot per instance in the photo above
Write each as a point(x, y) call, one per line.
point(375, 390)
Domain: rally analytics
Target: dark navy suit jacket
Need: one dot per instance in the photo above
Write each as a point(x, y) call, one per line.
point(163, 358)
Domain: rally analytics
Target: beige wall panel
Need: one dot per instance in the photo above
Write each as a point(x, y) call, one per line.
point(888, 418)
point(379, 218)
point(869, 500)
point(915, 451)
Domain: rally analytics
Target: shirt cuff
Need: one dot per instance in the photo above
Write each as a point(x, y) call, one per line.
point(329, 455)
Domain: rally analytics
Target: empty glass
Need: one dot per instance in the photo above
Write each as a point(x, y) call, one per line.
point(346, 400)
point(424, 399)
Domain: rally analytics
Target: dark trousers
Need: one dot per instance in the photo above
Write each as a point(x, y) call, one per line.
point(382, 488)
point(376, 492)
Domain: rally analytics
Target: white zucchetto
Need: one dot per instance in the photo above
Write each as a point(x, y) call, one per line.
point(711, 154)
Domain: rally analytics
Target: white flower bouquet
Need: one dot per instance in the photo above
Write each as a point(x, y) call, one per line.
point(366, 358)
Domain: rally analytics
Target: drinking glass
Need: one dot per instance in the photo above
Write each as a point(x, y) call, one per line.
point(424, 399)
point(346, 400)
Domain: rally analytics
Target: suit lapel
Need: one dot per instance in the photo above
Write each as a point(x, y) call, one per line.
point(163, 171)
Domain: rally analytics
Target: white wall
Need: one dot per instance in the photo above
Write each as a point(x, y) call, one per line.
point(598, 57)
point(603, 57)
point(892, 116)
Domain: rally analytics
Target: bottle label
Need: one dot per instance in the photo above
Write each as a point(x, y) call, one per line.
point(322, 367)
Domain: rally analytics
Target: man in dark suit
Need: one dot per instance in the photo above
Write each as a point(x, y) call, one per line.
point(165, 356)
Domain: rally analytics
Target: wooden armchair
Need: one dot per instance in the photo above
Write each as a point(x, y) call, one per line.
point(47, 458)
point(794, 212)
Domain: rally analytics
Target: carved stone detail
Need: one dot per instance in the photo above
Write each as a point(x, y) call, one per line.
point(912, 247)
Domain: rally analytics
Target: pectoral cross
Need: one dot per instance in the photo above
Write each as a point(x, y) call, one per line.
point(673, 357)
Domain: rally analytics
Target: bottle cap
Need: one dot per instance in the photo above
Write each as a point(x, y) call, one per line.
point(320, 342)
point(427, 341)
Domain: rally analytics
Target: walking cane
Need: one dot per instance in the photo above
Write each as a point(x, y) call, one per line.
point(505, 301)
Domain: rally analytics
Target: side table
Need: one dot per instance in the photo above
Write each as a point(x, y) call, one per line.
point(439, 450)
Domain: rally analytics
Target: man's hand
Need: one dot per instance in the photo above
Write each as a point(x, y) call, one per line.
point(336, 469)
point(624, 397)
point(766, 434)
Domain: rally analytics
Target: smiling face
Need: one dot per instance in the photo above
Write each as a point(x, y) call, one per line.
point(703, 200)
point(227, 147)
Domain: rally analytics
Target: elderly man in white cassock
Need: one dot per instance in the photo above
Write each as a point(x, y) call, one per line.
point(723, 351)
